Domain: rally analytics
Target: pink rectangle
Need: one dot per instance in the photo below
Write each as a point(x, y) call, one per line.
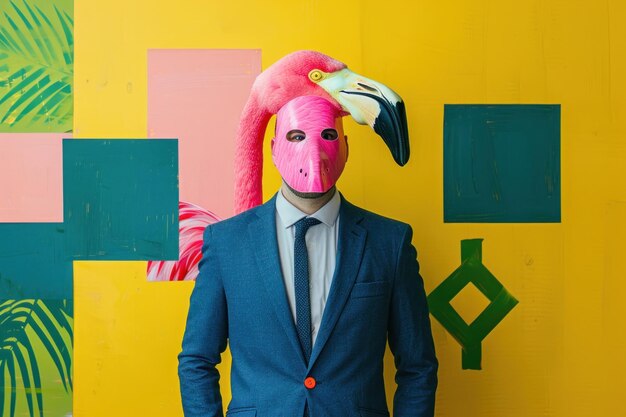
point(197, 95)
point(31, 177)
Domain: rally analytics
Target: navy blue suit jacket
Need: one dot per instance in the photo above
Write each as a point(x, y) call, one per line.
point(377, 295)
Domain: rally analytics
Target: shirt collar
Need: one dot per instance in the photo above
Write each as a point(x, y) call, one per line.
point(289, 214)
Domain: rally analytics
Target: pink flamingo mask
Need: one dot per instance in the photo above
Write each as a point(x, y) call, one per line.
point(309, 148)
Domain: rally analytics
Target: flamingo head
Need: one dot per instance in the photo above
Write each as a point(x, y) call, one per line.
point(367, 101)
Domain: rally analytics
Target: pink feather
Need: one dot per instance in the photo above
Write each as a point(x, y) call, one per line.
point(192, 222)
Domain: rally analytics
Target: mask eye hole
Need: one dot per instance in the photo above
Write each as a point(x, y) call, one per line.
point(329, 134)
point(296, 136)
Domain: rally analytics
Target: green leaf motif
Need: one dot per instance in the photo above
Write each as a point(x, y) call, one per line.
point(32, 331)
point(36, 66)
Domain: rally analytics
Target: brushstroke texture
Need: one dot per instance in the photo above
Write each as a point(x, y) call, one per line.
point(121, 199)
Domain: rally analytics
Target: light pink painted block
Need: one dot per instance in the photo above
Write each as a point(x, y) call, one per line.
point(197, 95)
point(31, 177)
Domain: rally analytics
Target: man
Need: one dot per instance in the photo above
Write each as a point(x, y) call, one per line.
point(307, 289)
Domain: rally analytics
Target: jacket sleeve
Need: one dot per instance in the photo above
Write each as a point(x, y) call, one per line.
point(204, 340)
point(410, 338)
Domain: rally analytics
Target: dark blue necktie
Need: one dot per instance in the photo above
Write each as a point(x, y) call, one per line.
point(301, 283)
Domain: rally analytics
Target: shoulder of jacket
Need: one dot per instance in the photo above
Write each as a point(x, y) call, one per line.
point(380, 221)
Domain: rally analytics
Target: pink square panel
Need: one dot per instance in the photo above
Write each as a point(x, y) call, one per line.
point(196, 96)
point(31, 177)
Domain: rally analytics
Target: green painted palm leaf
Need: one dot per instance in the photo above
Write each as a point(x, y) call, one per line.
point(25, 324)
point(36, 66)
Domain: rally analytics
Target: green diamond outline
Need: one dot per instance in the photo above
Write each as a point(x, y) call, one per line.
point(501, 302)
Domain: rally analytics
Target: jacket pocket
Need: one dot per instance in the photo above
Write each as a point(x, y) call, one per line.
point(368, 412)
point(369, 289)
point(241, 412)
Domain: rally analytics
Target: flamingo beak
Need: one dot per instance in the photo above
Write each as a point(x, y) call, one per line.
point(374, 104)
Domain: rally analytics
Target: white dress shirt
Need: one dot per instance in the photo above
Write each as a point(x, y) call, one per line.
point(321, 243)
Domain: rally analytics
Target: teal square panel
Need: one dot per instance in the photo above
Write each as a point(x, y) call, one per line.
point(33, 261)
point(502, 163)
point(120, 198)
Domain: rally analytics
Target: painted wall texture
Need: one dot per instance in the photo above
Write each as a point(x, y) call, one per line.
point(551, 221)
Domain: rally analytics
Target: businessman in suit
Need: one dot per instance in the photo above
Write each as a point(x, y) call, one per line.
point(306, 290)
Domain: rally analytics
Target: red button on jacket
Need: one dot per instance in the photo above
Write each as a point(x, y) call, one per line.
point(310, 382)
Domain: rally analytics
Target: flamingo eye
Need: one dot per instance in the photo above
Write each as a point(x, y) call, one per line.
point(296, 136)
point(329, 134)
point(317, 75)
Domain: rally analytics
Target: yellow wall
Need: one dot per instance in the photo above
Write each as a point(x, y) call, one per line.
point(560, 352)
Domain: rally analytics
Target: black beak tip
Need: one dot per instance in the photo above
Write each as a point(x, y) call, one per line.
point(391, 125)
point(402, 161)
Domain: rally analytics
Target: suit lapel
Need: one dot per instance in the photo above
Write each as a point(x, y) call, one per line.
point(262, 233)
point(349, 256)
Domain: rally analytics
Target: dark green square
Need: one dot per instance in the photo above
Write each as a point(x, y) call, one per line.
point(120, 198)
point(502, 163)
